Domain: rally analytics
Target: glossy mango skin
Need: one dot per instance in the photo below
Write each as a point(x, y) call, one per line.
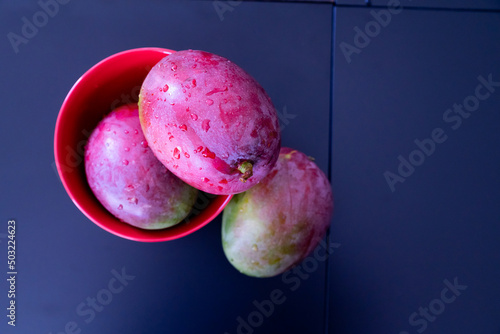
point(273, 226)
point(128, 180)
point(209, 122)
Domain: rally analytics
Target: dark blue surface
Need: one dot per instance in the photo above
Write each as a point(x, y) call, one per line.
point(182, 286)
point(395, 251)
point(442, 222)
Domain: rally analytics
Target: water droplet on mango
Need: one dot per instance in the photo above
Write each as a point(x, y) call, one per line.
point(208, 154)
point(177, 153)
point(205, 125)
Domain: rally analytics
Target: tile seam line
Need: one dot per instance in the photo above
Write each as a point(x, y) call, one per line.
point(372, 6)
point(329, 3)
point(426, 8)
point(326, 300)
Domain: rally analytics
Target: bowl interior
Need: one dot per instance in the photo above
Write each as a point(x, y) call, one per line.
point(113, 82)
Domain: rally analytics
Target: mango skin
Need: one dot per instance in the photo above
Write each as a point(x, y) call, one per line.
point(128, 180)
point(273, 226)
point(209, 122)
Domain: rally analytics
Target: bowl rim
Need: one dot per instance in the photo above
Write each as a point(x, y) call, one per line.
point(143, 235)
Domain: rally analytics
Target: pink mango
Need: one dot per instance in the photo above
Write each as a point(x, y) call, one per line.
point(128, 180)
point(209, 122)
point(276, 224)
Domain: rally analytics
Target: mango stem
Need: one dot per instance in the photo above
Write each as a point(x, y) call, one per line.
point(246, 169)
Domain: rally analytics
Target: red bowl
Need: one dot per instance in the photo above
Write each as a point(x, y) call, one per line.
point(112, 82)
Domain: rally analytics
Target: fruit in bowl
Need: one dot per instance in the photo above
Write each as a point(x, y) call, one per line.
point(273, 226)
point(128, 180)
point(209, 122)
